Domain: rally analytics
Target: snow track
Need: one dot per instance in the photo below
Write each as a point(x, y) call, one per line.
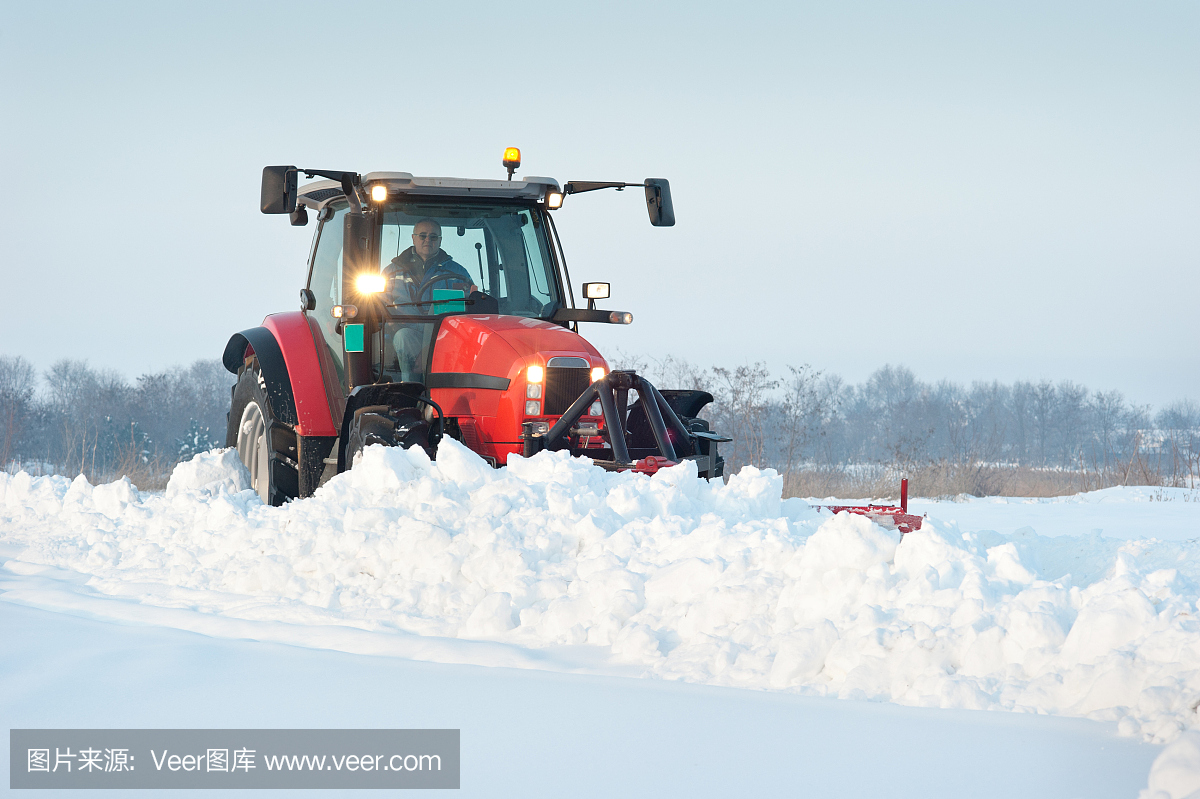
point(669, 575)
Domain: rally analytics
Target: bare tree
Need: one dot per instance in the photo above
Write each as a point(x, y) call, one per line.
point(804, 406)
point(1069, 421)
point(1044, 400)
point(182, 410)
point(17, 382)
point(743, 396)
point(1180, 426)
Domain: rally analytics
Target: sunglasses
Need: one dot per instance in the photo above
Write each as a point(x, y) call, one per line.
point(428, 236)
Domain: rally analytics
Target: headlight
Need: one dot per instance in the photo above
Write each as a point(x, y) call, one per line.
point(370, 283)
point(532, 408)
point(535, 373)
point(597, 373)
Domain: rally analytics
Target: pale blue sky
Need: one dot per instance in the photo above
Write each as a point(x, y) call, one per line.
point(1005, 192)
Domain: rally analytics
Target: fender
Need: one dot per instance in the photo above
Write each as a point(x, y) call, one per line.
point(287, 355)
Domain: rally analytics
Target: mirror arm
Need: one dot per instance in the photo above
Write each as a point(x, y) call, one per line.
point(658, 196)
point(580, 186)
point(325, 173)
point(351, 185)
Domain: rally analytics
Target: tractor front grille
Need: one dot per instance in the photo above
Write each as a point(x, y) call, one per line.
point(563, 386)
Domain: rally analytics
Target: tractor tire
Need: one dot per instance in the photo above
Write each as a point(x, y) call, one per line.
point(258, 438)
point(377, 424)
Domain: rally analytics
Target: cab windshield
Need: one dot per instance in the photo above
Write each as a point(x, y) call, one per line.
point(432, 254)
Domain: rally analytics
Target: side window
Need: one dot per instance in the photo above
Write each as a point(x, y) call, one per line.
point(326, 283)
point(540, 287)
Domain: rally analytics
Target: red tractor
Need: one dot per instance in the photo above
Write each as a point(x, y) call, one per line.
point(442, 307)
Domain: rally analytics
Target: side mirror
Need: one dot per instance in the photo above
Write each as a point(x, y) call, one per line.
point(279, 189)
point(299, 217)
point(658, 202)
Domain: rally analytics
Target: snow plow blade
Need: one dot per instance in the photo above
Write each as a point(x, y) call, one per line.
point(891, 516)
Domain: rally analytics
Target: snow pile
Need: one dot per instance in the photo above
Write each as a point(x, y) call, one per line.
point(208, 473)
point(711, 583)
point(1176, 772)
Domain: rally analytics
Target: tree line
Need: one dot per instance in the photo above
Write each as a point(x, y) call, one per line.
point(73, 419)
point(805, 421)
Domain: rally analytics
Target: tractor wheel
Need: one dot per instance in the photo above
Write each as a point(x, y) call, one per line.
point(377, 424)
point(251, 428)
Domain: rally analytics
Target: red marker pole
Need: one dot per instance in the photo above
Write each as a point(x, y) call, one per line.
point(904, 494)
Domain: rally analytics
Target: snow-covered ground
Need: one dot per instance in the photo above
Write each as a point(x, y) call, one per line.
point(572, 583)
point(531, 733)
point(1128, 512)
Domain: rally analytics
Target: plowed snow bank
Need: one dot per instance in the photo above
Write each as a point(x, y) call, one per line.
point(722, 584)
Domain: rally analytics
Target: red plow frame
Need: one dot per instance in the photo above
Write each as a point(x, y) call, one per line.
point(890, 516)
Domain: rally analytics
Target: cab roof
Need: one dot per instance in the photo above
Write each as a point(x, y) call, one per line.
point(532, 187)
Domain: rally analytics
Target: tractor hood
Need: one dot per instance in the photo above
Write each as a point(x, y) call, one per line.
point(504, 345)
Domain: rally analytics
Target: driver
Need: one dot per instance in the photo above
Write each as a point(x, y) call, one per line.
point(411, 278)
point(415, 273)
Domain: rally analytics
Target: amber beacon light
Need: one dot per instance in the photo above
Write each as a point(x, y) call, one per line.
point(512, 160)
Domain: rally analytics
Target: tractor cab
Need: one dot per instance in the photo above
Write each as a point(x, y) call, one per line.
point(414, 260)
point(442, 306)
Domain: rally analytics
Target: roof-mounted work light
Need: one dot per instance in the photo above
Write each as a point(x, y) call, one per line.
point(554, 200)
point(379, 193)
point(511, 160)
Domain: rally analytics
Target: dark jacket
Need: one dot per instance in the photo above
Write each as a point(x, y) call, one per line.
point(411, 280)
